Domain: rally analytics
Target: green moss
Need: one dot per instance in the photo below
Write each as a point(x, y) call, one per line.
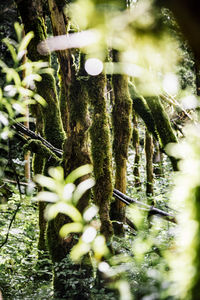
point(53, 127)
point(163, 125)
point(101, 151)
point(141, 108)
point(32, 16)
point(136, 143)
point(162, 121)
point(63, 104)
point(122, 113)
point(36, 146)
point(149, 164)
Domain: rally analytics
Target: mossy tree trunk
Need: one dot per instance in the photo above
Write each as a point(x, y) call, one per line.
point(122, 134)
point(74, 111)
point(158, 160)
point(149, 163)
point(31, 12)
point(59, 26)
point(101, 152)
point(136, 145)
point(155, 118)
point(163, 125)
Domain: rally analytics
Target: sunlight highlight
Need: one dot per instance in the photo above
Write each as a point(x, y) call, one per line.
point(93, 66)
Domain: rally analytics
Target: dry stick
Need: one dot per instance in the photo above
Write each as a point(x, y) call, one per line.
point(122, 197)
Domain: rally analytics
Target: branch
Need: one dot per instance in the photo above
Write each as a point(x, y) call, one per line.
point(20, 128)
point(122, 197)
point(152, 210)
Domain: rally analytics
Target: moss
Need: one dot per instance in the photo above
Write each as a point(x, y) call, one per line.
point(135, 142)
point(164, 129)
point(53, 127)
point(101, 152)
point(149, 164)
point(142, 109)
point(162, 121)
point(36, 146)
point(63, 104)
point(122, 113)
point(155, 118)
point(32, 16)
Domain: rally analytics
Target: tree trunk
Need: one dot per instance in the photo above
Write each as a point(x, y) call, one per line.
point(163, 126)
point(149, 163)
point(122, 134)
point(136, 145)
point(32, 16)
point(101, 152)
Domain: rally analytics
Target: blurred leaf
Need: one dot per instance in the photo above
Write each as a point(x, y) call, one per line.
point(79, 172)
point(99, 247)
point(79, 250)
point(11, 49)
point(90, 212)
point(25, 41)
point(47, 197)
point(82, 188)
point(70, 227)
point(46, 182)
point(56, 173)
point(18, 30)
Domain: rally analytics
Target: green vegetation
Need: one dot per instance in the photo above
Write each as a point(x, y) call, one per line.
point(99, 99)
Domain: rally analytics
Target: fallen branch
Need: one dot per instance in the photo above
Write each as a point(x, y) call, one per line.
point(151, 210)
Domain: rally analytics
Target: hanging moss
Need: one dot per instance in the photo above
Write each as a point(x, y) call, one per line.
point(101, 152)
point(122, 113)
point(164, 129)
point(136, 144)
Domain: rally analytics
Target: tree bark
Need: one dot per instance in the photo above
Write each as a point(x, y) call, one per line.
point(136, 145)
point(149, 164)
point(101, 152)
point(122, 133)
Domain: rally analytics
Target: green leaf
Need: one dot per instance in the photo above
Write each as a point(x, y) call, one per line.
point(40, 99)
point(11, 49)
point(24, 43)
point(70, 211)
point(70, 227)
point(79, 250)
point(47, 196)
point(18, 30)
point(46, 182)
point(56, 173)
point(82, 188)
point(79, 172)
